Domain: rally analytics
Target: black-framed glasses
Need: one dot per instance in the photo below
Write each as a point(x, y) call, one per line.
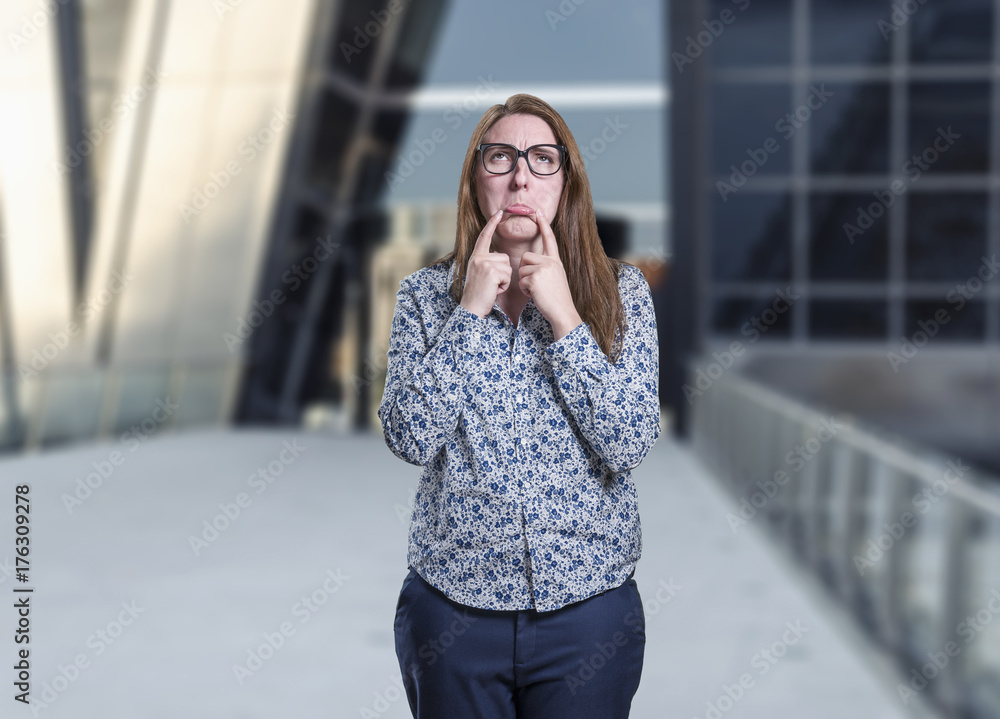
point(499, 158)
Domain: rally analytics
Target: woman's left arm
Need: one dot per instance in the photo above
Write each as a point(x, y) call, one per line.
point(615, 406)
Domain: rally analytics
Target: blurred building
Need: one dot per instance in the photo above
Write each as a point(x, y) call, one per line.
point(837, 236)
point(188, 193)
point(837, 211)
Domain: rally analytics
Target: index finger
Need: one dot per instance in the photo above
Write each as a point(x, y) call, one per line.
point(486, 236)
point(549, 245)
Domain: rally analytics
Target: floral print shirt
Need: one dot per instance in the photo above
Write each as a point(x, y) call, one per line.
point(526, 498)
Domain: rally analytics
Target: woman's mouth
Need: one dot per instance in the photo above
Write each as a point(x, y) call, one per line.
point(520, 210)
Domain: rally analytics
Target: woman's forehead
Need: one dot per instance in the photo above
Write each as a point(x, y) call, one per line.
point(521, 130)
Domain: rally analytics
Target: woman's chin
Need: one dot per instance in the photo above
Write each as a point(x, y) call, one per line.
point(518, 228)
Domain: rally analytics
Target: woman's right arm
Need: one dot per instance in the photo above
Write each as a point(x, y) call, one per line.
point(426, 377)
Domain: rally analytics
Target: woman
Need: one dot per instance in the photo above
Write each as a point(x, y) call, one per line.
point(509, 382)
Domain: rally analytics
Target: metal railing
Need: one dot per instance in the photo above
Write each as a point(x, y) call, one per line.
point(907, 539)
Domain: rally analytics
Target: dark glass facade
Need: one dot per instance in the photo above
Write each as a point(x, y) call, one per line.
point(836, 205)
point(849, 147)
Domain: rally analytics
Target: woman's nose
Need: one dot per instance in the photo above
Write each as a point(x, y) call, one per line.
point(520, 173)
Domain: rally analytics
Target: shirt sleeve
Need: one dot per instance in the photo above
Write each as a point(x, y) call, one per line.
point(616, 406)
point(426, 377)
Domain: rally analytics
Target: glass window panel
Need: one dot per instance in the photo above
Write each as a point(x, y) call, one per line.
point(390, 125)
point(11, 417)
point(848, 319)
point(334, 131)
point(982, 655)
point(102, 27)
point(825, 547)
point(884, 505)
point(356, 39)
point(848, 31)
point(422, 26)
point(949, 128)
point(751, 237)
point(203, 396)
point(759, 33)
point(764, 317)
point(836, 251)
point(995, 329)
point(850, 133)
point(138, 392)
point(745, 118)
point(73, 401)
point(613, 233)
point(945, 321)
point(922, 578)
point(102, 30)
point(955, 31)
point(844, 470)
point(310, 225)
point(946, 235)
point(370, 179)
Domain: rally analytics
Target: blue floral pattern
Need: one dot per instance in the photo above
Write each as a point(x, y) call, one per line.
point(526, 499)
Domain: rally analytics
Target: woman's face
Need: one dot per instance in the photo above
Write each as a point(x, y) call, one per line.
point(519, 192)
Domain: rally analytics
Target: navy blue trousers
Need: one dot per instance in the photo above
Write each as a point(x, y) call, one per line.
point(582, 661)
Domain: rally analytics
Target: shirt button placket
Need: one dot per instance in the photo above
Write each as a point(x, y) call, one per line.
point(513, 384)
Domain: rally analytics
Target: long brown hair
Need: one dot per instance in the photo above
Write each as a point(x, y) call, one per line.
point(592, 275)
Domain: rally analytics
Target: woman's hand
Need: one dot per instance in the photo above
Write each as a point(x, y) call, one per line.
point(542, 277)
point(488, 273)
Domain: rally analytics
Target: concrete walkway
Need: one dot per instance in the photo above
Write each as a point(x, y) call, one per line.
point(284, 608)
